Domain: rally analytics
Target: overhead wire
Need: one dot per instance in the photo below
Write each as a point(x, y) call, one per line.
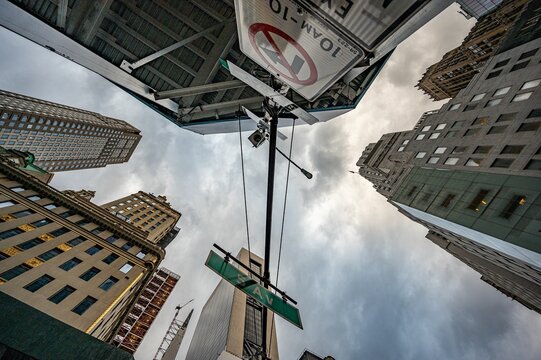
point(244, 192)
point(282, 225)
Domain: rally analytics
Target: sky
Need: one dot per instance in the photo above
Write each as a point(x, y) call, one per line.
point(367, 282)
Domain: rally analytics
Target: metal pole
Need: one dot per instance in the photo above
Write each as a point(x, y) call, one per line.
point(268, 227)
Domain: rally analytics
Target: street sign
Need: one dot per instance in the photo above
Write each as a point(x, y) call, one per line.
point(251, 288)
point(367, 23)
point(294, 46)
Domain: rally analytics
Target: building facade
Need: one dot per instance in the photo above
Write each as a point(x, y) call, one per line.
point(149, 213)
point(147, 306)
point(62, 137)
point(67, 257)
point(478, 8)
point(457, 67)
point(230, 324)
point(471, 171)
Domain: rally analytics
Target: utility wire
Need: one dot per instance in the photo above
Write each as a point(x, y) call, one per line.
point(283, 221)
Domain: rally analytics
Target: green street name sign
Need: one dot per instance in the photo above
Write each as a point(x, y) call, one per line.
point(251, 288)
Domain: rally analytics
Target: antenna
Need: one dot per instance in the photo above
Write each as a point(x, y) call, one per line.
point(174, 335)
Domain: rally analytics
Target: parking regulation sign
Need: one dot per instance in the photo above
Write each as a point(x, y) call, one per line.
point(293, 45)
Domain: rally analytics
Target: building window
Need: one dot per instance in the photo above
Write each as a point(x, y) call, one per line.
point(70, 264)
point(470, 107)
point(126, 267)
point(4, 204)
point(405, 142)
point(78, 240)
point(531, 126)
point(528, 54)
point(451, 161)
point(50, 254)
point(470, 132)
point(497, 129)
point(493, 102)
point(62, 294)
point(479, 200)
point(440, 150)
point(126, 246)
point(433, 160)
point(502, 91)
point(494, 74)
point(111, 239)
point(512, 149)
point(10, 233)
point(482, 149)
point(50, 206)
point(447, 201)
point(534, 165)
point(513, 204)
point(84, 305)
point(506, 117)
point(253, 323)
point(90, 273)
point(502, 163)
point(41, 223)
point(30, 244)
point(519, 66)
point(473, 162)
point(107, 284)
point(34, 198)
point(522, 97)
point(482, 120)
point(59, 232)
point(420, 155)
point(434, 136)
point(530, 84)
point(478, 97)
point(39, 283)
point(450, 134)
point(454, 107)
point(141, 255)
point(67, 214)
point(420, 137)
point(459, 150)
point(441, 126)
point(14, 272)
point(400, 149)
point(110, 258)
point(93, 250)
point(23, 213)
point(18, 189)
point(457, 124)
point(426, 128)
point(534, 113)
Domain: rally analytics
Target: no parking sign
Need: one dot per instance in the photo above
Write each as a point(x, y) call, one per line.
point(294, 46)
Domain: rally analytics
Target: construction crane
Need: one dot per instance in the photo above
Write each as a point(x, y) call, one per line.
point(173, 337)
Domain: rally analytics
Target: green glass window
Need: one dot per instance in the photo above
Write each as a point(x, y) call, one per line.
point(39, 283)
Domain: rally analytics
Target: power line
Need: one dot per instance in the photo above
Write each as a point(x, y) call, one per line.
point(244, 189)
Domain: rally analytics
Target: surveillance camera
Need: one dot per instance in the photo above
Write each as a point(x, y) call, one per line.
point(257, 138)
point(300, 11)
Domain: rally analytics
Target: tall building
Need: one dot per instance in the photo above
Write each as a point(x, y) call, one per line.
point(67, 257)
point(471, 171)
point(62, 137)
point(147, 306)
point(457, 67)
point(308, 355)
point(230, 324)
point(150, 213)
point(478, 8)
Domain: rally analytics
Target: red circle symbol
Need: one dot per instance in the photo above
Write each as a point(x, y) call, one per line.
point(292, 75)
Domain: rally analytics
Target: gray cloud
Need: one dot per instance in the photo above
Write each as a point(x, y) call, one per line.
point(369, 285)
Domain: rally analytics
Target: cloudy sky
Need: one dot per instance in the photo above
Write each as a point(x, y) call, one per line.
point(369, 285)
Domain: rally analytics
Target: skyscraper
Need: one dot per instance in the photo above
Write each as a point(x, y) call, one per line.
point(471, 171)
point(454, 71)
point(147, 306)
point(478, 8)
point(68, 257)
point(62, 137)
point(150, 213)
point(230, 324)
